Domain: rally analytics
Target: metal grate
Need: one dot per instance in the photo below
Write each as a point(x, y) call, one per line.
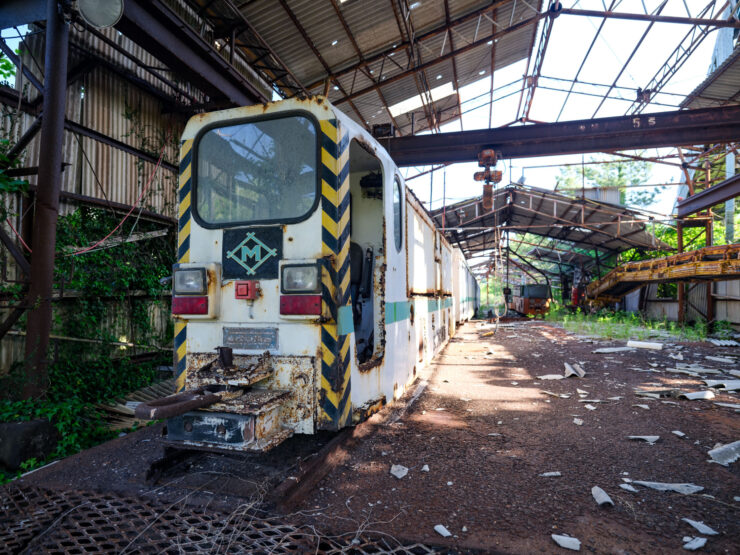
point(36, 520)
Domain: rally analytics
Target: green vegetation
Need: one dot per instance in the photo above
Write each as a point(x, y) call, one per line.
point(624, 175)
point(626, 325)
point(7, 69)
point(112, 299)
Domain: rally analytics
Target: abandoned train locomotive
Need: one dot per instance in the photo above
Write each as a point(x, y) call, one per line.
point(311, 284)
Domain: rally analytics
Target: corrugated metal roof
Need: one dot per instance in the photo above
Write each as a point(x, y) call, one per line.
point(373, 67)
point(584, 223)
point(720, 88)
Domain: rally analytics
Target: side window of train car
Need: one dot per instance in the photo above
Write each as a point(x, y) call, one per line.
point(397, 214)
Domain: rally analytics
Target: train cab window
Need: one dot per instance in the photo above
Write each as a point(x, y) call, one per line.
point(398, 214)
point(256, 171)
point(367, 257)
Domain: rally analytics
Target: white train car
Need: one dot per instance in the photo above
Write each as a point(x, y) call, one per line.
point(311, 284)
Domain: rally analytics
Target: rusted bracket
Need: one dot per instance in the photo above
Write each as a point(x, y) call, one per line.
point(23, 264)
point(12, 318)
point(175, 405)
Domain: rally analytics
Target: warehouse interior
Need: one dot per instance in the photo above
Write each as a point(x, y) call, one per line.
point(588, 145)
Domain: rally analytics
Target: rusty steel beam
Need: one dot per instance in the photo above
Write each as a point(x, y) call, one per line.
point(685, 127)
point(46, 213)
point(716, 194)
point(109, 205)
point(733, 23)
point(454, 65)
point(157, 29)
point(13, 57)
point(268, 49)
point(110, 141)
point(15, 252)
point(627, 61)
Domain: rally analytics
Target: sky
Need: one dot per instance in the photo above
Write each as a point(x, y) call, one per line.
point(569, 41)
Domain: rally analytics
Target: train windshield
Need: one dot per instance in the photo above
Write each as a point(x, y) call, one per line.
point(257, 172)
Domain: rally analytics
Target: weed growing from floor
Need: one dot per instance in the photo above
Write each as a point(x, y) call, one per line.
point(611, 324)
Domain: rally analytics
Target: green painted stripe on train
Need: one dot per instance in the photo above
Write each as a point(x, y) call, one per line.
point(345, 320)
point(438, 304)
point(398, 311)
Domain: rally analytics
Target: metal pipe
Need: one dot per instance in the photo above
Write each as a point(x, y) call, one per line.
point(654, 18)
point(47, 202)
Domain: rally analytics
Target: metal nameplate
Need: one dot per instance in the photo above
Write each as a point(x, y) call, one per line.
point(254, 339)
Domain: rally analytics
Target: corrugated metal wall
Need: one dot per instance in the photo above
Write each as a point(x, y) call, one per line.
point(105, 102)
point(725, 294)
point(100, 99)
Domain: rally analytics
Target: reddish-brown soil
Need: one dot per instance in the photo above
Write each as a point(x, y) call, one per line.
point(486, 431)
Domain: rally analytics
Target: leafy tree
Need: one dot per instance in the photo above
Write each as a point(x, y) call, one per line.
point(7, 70)
point(620, 174)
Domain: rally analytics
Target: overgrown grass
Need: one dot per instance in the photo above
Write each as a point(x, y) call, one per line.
point(627, 325)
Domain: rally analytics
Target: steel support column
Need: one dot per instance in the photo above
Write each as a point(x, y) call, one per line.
point(708, 236)
point(47, 202)
point(681, 286)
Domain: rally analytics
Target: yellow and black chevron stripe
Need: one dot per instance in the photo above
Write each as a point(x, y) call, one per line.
point(335, 405)
point(183, 255)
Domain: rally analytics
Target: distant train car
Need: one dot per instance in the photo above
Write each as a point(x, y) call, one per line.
point(533, 299)
point(311, 284)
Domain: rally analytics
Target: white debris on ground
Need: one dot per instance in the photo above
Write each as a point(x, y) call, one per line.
point(735, 406)
point(550, 474)
point(723, 360)
point(425, 468)
point(685, 489)
point(607, 350)
point(574, 370)
point(442, 531)
point(701, 527)
point(567, 542)
point(649, 439)
point(399, 471)
point(727, 385)
point(726, 454)
point(724, 342)
point(629, 488)
point(698, 395)
point(678, 433)
point(601, 497)
point(578, 422)
point(694, 543)
point(550, 377)
point(645, 345)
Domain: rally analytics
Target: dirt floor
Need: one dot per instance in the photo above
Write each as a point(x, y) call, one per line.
point(487, 433)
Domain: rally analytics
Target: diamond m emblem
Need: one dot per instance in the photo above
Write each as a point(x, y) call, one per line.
point(251, 253)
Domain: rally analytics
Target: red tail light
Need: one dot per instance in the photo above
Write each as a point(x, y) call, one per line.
point(190, 305)
point(300, 304)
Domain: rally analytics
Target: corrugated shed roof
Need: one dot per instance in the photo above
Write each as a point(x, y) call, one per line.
point(582, 222)
point(373, 68)
point(720, 88)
